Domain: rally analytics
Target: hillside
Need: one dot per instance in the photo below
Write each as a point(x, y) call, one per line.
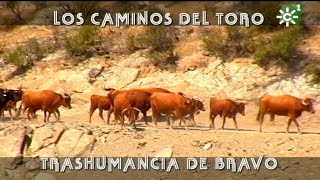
point(131, 58)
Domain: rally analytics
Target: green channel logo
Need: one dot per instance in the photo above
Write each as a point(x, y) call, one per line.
point(290, 14)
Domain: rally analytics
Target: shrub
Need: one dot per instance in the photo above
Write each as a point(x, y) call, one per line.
point(164, 60)
point(160, 41)
point(280, 50)
point(237, 43)
point(314, 71)
point(83, 41)
point(25, 55)
point(158, 38)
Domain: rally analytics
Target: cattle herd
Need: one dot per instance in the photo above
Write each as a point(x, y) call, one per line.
point(129, 103)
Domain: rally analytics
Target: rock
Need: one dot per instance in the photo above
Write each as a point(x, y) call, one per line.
point(119, 77)
point(141, 144)
point(45, 176)
point(138, 136)
point(207, 146)
point(68, 141)
point(84, 145)
point(195, 143)
point(12, 141)
point(166, 153)
point(39, 137)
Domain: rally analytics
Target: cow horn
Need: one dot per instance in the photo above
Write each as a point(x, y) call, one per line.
point(304, 103)
point(136, 109)
point(65, 95)
point(126, 109)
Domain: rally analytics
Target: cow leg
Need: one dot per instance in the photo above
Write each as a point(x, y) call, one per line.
point(10, 114)
point(289, 122)
point(109, 114)
point(58, 112)
point(155, 117)
point(192, 118)
point(28, 114)
point(185, 123)
point(271, 117)
point(261, 121)
point(101, 114)
point(45, 116)
point(145, 117)
point(1, 114)
point(49, 114)
point(297, 124)
point(235, 123)
point(90, 113)
point(212, 117)
point(224, 121)
point(171, 122)
point(168, 120)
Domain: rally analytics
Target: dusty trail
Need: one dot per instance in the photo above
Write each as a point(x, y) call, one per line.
point(246, 142)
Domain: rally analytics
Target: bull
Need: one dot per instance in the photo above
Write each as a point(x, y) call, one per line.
point(284, 105)
point(225, 108)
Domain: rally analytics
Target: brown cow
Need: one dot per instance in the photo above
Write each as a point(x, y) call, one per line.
point(113, 93)
point(196, 107)
point(225, 108)
point(131, 113)
point(170, 104)
point(284, 105)
point(99, 102)
point(47, 100)
point(135, 99)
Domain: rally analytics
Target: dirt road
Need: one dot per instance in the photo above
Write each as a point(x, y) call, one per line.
point(246, 142)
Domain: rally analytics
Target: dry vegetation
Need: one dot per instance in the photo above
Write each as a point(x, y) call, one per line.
point(269, 45)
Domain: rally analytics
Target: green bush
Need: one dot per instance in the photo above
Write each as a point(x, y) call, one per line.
point(280, 49)
point(83, 41)
point(25, 55)
point(314, 71)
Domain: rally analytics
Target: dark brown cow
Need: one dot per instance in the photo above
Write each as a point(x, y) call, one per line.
point(284, 105)
point(225, 108)
point(135, 99)
point(113, 93)
point(47, 100)
point(132, 114)
point(170, 104)
point(99, 102)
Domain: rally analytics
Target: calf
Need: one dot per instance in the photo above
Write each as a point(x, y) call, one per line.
point(284, 105)
point(99, 102)
point(225, 108)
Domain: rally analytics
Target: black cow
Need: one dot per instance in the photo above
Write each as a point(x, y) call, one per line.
point(8, 100)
